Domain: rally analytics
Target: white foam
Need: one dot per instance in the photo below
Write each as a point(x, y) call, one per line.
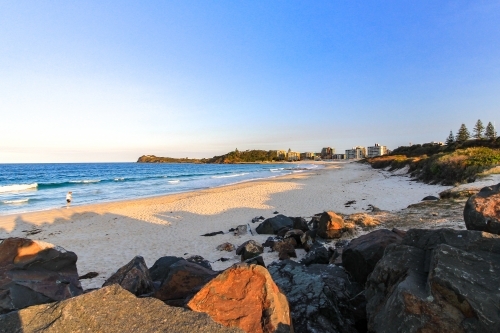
point(18, 187)
point(119, 179)
point(19, 201)
point(174, 181)
point(276, 170)
point(85, 181)
point(229, 176)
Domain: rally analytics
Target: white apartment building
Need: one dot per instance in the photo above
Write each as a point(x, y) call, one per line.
point(355, 153)
point(376, 150)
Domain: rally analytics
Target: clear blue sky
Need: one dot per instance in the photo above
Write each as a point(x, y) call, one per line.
point(112, 80)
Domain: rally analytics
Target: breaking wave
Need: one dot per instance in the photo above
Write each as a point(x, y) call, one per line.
point(18, 187)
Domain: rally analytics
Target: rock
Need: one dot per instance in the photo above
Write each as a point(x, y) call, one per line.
point(161, 267)
point(89, 275)
point(256, 261)
point(257, 219)
point(320, 297)
point(430, 198)
point(336, 258)
point(249, 249)
point(226, 247)
point(307, 239)
point(285, 250)
point(362, 254)
point(314, 223)
point(318, 254)
point(373, 209)
point(245, 296)
point(184, 279)
point(213, 233)
point(276, 212)
point(296, 234)
point(282, 232)
point(133, 277)
point(34, 272)
point(270, 241)
point(362, 220)
point(330, 225)
point(200, 261)
point(300, 223)
point(437, 281)
point(482, 210)
point(111, 309)
point(273, 224)
point(240, 230)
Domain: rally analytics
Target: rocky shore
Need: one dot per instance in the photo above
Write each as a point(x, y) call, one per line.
point(386, 280)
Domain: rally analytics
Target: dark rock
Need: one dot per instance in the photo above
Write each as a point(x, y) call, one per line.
point(285, 249)
point(200, 261)
point(362, 254)
point(34, 272)
point(373, 209)
point(226, 247)
point(184, 279)
point(430, 198)
point(249, 249)
point(256, 261)
point(330, 225)
point(241, 230)
point(314, 223)
point(482, 210)
point(161, 267)
point(342, 243)
point(307, 239)
point(214, 233)
point(321, 297)
point(282, 232)
point(295, 234)
point(111, 309)
point(336, 258)
point(300, 223)
point(270, 241)
point(350, 202)
point(273, 224)
point(318, 254)
point(257, 219)
point(437, 281)
point(89, 275)
point(399, 232)
point(133, 277)
point(276, 212)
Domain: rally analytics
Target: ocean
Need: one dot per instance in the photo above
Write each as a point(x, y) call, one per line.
point(35, 187)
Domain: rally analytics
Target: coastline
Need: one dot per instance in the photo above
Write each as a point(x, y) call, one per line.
point(106, 236)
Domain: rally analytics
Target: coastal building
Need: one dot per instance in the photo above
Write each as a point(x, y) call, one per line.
point(327, 152)
point(338, 156)
point(355, 153)
point(293, 155)
point(281, 154)
point(376, 150)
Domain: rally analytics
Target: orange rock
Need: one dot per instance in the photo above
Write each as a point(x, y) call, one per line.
point(330, 225)
point(245, 296)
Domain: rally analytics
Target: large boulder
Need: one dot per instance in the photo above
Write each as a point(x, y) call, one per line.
point(110, 309)
point(318, 254)
point(437, 281)
point(300, 223)
point(273, 224)
point(330, 225)
point(160, 269)
point(184, 279)
point(249, 249)
point(322, 298)
point(245, 296)
point(482, 210)
point(34, 272)
point(362, 254)
point(133, 277)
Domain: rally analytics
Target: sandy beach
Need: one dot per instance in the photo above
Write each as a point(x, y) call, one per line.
point(107, 236)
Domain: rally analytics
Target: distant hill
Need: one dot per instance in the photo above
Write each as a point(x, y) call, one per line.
point(236, 156)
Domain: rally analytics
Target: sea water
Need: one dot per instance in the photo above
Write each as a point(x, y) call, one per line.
point(34, 187)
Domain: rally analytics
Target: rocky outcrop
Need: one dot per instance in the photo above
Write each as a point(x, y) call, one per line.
point(300, 223)
point(274, 224)
point(285, 249)
point(244, 296)
point(362, 254)
point(437, 281)
point(482, 210)
point(321, 297)
point(133, 277)
point(330, 225)
point(200, 261)
point(318, 254)
point(183, 279)
point(249, 249)
point(110, 309)
point(226, 247)
point(34, 272)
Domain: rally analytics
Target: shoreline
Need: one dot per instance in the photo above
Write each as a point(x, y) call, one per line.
point(106, 236)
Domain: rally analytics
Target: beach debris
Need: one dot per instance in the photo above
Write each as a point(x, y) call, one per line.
point(430, 198)
point(273, 224)
point(362, 219)
point(226, 247)
point(362, 254)
point(322, 298)
point(261, 307)
point(257, 219)
point(222, 259)
point(213, 234)
point(276, 212)
point(482, 210)
point(330, 225)
point(32, 232)
point(200, 261)
point(89, 275)
point(49, 274)
point(373, 209)
point(349, 203)
point(239, 230)
point(249, 249)
point(133, 277)
point(250, 229)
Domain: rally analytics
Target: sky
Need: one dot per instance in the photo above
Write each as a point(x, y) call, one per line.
point(109, 81)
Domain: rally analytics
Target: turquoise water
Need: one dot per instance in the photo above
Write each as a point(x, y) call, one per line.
point(33, 187)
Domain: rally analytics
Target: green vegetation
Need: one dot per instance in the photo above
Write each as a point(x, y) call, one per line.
point(478, 130)
point(463, 134)
point(156, 159)
point(236, 156)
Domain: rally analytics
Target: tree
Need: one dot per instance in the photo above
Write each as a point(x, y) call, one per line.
point(490, 132)
point(451, 139)
point(478, 130)
point(462, 134)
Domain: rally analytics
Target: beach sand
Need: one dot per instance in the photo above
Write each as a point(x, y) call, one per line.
point(107, 236)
